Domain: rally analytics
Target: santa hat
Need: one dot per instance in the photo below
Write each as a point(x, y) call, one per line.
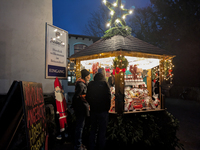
point(57, 83)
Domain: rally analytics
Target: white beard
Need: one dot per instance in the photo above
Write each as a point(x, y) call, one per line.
point(59, 96)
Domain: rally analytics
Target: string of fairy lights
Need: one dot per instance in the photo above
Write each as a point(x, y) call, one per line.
point(121, 62)
point(166, 71)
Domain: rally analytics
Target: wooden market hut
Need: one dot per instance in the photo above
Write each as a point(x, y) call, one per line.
point(126, 46)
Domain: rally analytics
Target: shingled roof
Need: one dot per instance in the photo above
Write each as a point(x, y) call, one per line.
point(119, 42)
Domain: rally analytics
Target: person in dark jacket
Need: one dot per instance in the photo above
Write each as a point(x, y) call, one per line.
point(99, 97)
point(111, 80)
point(81, 107)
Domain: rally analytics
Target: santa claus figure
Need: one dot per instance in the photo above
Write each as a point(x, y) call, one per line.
point(60, 104)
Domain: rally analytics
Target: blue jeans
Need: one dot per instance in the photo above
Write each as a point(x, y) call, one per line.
point(99, 123)
point(80, 122)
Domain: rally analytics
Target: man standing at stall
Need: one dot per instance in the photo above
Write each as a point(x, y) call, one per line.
point(99, 98)
point(81, 107)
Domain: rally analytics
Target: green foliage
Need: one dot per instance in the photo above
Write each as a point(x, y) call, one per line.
point(152, 131)
point(123, 30)
point(120, 61)
point(148, 131)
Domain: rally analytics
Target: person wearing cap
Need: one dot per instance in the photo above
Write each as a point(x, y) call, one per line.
point(99, 97)
point(81, 107)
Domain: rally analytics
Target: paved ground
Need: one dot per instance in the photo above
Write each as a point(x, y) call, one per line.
point(188, 113)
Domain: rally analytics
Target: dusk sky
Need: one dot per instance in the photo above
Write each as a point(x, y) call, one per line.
point(72, 15)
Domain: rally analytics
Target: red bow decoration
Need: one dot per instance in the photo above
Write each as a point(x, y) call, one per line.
point(120, 70)
point(170, 72)
point(107, 70)
point(113, 72)
point(154, 80)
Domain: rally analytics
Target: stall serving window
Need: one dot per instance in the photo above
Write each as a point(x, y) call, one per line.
point(137, 79)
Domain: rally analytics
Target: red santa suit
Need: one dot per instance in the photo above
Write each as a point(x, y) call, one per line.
point(60, 104)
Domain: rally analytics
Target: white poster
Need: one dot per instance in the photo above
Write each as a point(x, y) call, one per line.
point(56, 52)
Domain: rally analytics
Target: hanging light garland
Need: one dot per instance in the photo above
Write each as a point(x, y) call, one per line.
point(155, 73)
point(167, 70)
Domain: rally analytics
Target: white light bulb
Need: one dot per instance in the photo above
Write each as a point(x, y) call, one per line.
point(112, 12)
point(117, 20)
point(123, 16)
point(115, 4)
point(130, 12)
point(55, 30)
point(108, 24)
point(104, 1)
point(122, 6)
point(54, 39)
point(58, 37)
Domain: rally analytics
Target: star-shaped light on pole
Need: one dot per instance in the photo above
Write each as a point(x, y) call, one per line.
point(118, 13)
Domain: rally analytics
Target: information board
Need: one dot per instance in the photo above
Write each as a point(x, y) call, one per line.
point(56, 52)
point(34, 111)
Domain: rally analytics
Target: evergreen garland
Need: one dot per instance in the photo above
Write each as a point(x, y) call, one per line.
point(120, 61)
point(117, 30)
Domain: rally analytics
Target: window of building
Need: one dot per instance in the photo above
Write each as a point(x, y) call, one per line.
point(71, 75)
point(79, 47)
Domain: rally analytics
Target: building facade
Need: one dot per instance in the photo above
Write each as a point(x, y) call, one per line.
point(22, 42)
point(76, 43)
point(22, 45)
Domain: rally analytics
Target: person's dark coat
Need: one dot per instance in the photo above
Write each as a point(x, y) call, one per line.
point(111, 81)
point(98, 94)
point(79, 102)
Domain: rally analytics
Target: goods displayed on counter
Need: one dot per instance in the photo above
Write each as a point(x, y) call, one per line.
point(136, 99)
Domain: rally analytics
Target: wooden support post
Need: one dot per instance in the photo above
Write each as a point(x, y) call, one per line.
point(161, 96)
point(149, 82)
point(119, 92)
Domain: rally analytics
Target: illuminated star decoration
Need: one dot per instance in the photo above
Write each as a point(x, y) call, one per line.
point(118, 13)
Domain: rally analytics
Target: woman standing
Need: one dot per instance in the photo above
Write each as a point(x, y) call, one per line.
point(81, 107)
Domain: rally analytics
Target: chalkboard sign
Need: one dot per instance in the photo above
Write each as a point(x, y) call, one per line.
point(34, 111)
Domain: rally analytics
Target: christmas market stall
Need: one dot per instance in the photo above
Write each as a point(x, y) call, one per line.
point(139, 70)
point(136, 70)
point(137, 73)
